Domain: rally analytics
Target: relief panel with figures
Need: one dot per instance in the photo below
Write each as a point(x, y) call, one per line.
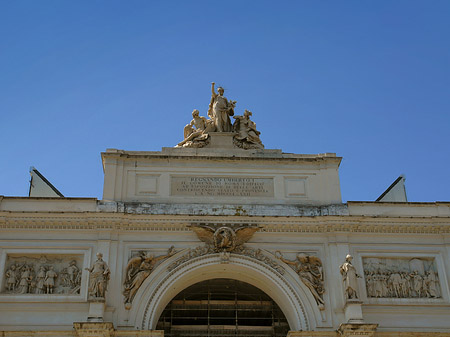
point(42, 274)
point(401, 277)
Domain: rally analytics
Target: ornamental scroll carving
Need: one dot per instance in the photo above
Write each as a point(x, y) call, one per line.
point(309, 269)
point(42, 275)
point(401, 278)
point(139, 267)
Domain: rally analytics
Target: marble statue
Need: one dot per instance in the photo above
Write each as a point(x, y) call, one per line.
point(247, 136)
point(309, 269)
point(220, 110)
point(196, 132)
point(350, 278)
point(99, 277)
point(138, 269)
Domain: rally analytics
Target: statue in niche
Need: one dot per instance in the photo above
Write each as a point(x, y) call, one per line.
point(40, 278)
point(49, 281)
point(138, 269)
point(247, 136)
point(350, 278)
point(98, 282)
point(309, 269)
point(196, 132)
point(220, 109)
point(11, 278)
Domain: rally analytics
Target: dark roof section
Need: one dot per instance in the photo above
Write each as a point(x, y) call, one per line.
point(46, 181)
point(390, 187)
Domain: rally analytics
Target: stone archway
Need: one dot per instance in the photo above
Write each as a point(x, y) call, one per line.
point(162, 285)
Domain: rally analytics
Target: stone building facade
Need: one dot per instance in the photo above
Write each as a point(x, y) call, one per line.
point(221, 237)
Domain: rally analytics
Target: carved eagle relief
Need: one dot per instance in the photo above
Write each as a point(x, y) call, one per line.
point(224, 239)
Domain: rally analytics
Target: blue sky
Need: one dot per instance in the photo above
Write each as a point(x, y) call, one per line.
point(369, 80)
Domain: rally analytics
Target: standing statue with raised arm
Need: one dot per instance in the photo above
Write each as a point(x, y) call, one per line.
point(220, 110)
point(350, 278)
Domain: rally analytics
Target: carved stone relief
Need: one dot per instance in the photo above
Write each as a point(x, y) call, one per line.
point(139, 267)
point(309, 269)
point(42, 274)
point(224, 238)
point(401, 277)
point(258, 254)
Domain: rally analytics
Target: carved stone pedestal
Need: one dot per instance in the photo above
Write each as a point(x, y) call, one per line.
point(91, 329)
point(353, 312)
point(357, 329)
point(96, 311)
point(221, 140)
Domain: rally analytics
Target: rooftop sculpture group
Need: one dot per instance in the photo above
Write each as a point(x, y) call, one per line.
point(196, 133)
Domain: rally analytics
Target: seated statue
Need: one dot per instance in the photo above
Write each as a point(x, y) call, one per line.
point(196, 132)
point(247, 136)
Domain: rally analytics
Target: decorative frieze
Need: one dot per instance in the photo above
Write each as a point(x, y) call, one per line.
point(401, 277)
point(42, 274)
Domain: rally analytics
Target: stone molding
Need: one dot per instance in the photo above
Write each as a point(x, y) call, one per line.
point(377, 334)
point(129, 223)
point(162, 285)
point(158, 333)
point(99, 329)
point(357, 329)
point(104, 329)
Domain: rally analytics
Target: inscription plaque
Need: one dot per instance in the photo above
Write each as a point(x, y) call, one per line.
point(206, 186)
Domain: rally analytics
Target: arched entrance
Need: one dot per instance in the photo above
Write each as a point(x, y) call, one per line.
point(222, 307)
point(166, 282)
